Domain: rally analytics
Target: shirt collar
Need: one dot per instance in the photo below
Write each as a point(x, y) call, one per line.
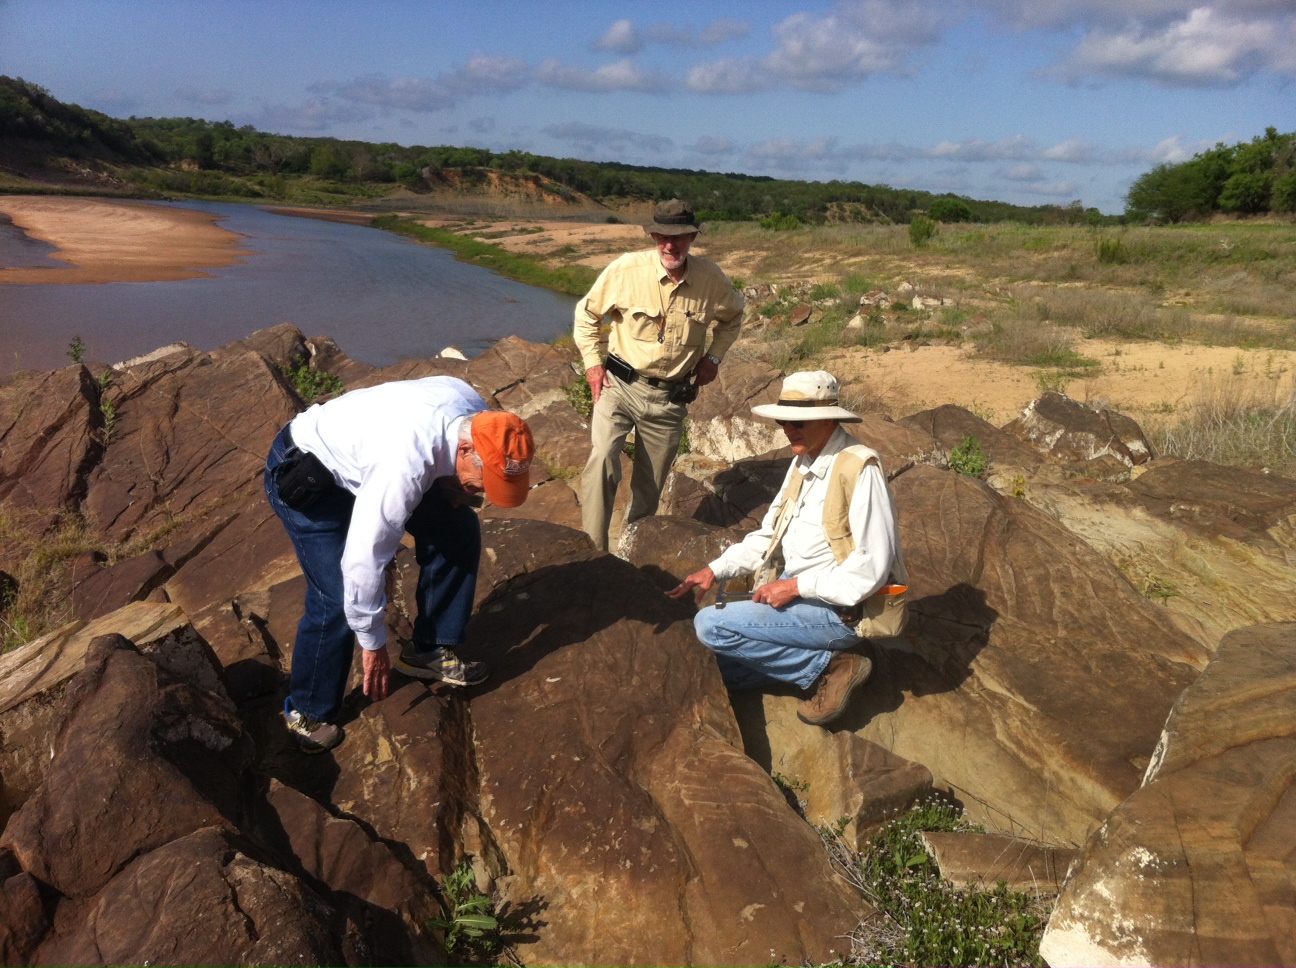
point(820, 465)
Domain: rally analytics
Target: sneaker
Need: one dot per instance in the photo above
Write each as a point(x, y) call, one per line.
point(312, 736)
point(443, 665)
point(832, 690)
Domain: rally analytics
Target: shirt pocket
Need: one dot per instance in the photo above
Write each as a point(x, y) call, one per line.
point(643, 324)
point(692, 327)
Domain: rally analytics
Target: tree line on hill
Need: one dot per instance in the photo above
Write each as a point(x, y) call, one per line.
point(1249, 178)
point(192, 156)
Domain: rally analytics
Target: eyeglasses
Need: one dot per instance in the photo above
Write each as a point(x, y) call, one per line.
point(794, 424)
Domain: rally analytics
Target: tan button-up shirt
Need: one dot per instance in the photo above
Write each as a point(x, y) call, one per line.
point(658, 326)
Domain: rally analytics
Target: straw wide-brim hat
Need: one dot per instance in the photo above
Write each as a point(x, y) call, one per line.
point(809, 395)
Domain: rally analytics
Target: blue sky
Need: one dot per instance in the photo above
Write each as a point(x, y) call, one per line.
point(1027, 101)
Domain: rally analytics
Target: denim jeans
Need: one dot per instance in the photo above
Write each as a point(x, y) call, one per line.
point(757, 645)
point(447, 547)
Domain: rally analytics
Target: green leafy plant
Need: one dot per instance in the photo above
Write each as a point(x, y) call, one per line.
point(311, 384)
point(1051, 381)
point(76, 350)
point(1111, 251)
point(778, 222)
point(932, 922)
point(469, 920)
point(580, 396)
point(922, 230)
point(968, 458)
point(107, 406)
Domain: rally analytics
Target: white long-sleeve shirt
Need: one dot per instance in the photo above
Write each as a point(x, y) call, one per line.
point(806, 553)
point(386, 445)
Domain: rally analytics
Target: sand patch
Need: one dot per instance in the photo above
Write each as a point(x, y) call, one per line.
point(1140, 379)
point(119, 241)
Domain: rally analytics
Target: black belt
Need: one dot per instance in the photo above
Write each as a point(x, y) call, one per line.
point(627, 374)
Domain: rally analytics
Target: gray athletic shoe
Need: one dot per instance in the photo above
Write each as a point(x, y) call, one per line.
point(442, 665)
point(312, 736)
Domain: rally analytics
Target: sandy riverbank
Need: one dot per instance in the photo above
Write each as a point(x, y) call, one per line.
point(120, 241)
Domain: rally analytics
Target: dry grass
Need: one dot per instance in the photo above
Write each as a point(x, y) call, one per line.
point(38, 563)
point(1234, 420)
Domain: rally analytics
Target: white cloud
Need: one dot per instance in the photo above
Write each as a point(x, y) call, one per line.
point(316, 115)
point(1023, 173)
point(624, 75)
point(620, 38)
point(975, 149)
point(1073, 150)
point(857, 39)
point(716, 32)
point(712, 147)
point(1205, 48)
point(481, 74)
point(624, 38)
point(592, 137)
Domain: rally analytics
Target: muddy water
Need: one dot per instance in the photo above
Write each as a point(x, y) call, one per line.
point(381, 296)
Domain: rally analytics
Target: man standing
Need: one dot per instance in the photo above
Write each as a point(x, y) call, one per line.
point(827, 559)
point(663, 305)
point(348, 478)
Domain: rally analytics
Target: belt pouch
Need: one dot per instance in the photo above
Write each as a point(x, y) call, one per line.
point(302, 480)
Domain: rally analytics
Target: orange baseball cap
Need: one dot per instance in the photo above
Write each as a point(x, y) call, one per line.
point(503, 442)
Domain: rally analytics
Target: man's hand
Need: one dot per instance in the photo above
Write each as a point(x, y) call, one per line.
point(778, 593)
point(377, 673)
point(706, 371)
point(598, 379)
point(700, 582)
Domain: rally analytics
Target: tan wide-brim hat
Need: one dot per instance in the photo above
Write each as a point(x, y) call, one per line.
point(809, 395)
point(673, 218)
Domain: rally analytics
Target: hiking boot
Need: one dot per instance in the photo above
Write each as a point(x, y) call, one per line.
point(832, 690)
point(442, 665)
point(312, 736)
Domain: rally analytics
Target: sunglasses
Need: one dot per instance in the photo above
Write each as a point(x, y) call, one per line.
point(794, 424)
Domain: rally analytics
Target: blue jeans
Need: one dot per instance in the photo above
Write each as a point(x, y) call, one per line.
point(757, 645)
point(447, 547)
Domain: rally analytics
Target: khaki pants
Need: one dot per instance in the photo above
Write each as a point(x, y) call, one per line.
point(658, 425)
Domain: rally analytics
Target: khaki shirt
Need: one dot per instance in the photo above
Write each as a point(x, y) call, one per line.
point(659, 327)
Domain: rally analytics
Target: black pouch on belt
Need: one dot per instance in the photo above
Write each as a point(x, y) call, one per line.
point(620, 369)
point(302, 480)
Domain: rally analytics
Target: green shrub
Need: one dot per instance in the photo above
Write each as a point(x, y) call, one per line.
point(949, 210)
point(311, 384)
point(1111, 251)
point(778, 222)
point(76, 350)
point(968, 458)
point(934, 922)
point(922, 230)
point(469, 920)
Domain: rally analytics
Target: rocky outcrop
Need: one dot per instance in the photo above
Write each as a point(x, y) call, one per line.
point(617, 803)
point(1195, 867)
point(610, 713)
point(969, 859)
point(1070, 431)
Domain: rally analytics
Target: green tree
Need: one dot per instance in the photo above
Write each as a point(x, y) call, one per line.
point(950, 210)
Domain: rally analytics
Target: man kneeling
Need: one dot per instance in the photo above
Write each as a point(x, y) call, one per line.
point(826, 558)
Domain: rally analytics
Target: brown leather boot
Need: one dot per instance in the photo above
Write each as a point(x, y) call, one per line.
point(832, 690)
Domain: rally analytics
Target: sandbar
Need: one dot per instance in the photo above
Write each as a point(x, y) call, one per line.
point(120, 241)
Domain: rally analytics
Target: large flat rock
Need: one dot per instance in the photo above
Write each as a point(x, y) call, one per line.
point(1197, 866)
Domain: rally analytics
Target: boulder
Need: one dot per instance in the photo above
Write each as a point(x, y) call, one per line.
point(1032, 679)
point(667, 549)
point(839, 776)
point(283, 345)
point(186, 442)
point(23, 918)
point(142, 759)
point(968, 859)
point(1196, 866)
point(523, 377)
point(50, 438)
point(1072, 431)
point(950, 425)
point(1213, 544)
point(327, 357)
point(602, 740)
point(721, 424)
point(385, 906)
point(201, 899)
point(111, 587)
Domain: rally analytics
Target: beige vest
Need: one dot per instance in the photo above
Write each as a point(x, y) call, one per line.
point(883, 614)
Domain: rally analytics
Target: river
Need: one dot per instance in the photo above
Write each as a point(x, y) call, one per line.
point(383, 297)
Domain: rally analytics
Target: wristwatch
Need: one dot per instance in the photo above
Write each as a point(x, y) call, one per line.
point(714, 359)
